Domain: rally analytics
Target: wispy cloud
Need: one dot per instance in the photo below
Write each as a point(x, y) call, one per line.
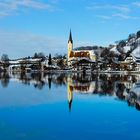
point(118, 15)
point(123, 16)
point(115, 11)
point(136, 4)
point(121, 8)
point(104, 17)
point(18, 44)
point(9, 7)
point(33, 4)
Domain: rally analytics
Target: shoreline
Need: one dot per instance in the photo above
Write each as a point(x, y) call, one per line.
point(73, 71)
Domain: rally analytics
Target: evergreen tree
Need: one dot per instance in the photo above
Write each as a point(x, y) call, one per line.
point(138, 34)
point(50, 60)
point(35, 55)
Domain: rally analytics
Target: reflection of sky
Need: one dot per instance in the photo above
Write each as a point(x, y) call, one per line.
point(31, 114)
point(17, 94)
point(92, 117)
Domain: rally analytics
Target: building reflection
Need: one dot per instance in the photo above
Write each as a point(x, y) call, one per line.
point(125, 88)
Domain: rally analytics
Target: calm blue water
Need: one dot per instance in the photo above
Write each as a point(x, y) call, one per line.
point(30, 110)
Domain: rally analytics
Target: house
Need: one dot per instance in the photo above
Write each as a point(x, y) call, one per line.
point(128, 64)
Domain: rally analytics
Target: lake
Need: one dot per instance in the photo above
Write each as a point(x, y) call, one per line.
point(69, 106)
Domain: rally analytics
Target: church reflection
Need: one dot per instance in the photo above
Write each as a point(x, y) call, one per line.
point(121, 87)
point(70, 94)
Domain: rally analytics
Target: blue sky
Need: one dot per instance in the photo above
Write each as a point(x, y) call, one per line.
point(29, 26)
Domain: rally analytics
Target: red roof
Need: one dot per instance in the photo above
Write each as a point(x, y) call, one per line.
point(80, 54)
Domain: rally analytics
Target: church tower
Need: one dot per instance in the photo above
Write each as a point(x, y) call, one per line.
point(70, 46)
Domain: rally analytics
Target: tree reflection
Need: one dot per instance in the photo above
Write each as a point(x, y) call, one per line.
point(49, 82)
point(120, 86)
point(107, 87)
point(125, 87)
point(120, 91)
point(4, 79)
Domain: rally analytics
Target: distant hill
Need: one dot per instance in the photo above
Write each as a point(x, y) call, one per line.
point(88, 48)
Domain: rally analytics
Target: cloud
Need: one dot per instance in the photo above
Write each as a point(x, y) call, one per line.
point(136, 4)
point(117, 15)
point(121, 8)
point(104, 17)
point(119, 11)
point(123, 16)
point(21, 44)
point(9, 7)
point(33, 4)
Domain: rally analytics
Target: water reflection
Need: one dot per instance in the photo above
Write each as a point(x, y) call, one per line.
point(122, 87)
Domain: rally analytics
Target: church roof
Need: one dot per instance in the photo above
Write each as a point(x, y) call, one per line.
point(80, 54)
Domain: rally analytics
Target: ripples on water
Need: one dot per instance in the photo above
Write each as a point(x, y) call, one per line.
point(69, 106)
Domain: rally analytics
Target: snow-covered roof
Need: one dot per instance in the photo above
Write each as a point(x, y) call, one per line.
point(80, 51)
point(14, 62)
point(136, 52)
point(35, 59)
point(126, 49)
point(114, 49)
